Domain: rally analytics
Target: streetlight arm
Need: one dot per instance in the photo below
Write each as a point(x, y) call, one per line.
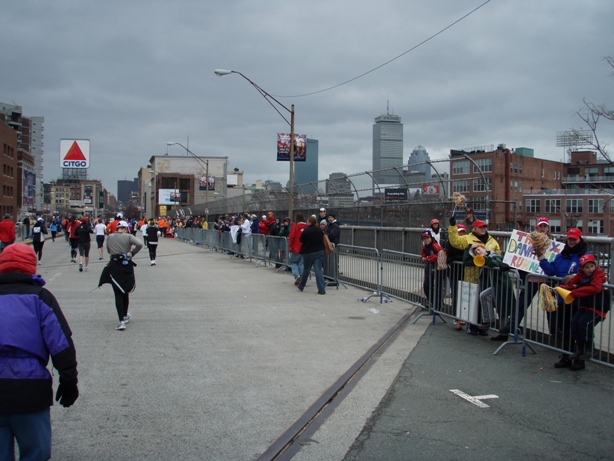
point(204, 163)
point(265, 94)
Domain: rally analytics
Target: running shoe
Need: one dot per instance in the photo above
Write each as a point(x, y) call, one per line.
point(127, 318)
point(80, 267)
point(121, 326)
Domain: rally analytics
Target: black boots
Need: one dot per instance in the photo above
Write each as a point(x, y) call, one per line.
point(563, 362)
point(580, 356)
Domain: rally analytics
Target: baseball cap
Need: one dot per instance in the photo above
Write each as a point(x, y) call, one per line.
point(469, 210)
point(587, 258)
point(461, 227)
point(426, 234)
point(574, 233)
point(120, 215)
point(479, 223)
point(122, 224)
point(543, 220)
point(322, 209)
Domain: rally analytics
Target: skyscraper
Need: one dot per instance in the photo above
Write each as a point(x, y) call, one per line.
point(387, 148)
point(307, 172)
point(416, 162)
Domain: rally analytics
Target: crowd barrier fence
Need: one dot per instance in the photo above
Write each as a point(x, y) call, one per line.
point(395, 274)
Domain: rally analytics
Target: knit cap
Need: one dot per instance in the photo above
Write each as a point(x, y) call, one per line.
point(18, 257)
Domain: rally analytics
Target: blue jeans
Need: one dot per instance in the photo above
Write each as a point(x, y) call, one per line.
point(313, 259)
point(32, 432)
point(296, 264)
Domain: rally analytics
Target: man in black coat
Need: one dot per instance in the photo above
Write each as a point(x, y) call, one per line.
point(333, 230)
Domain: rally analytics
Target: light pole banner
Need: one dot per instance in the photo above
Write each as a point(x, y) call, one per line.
point(283, 147)
point(205, 183)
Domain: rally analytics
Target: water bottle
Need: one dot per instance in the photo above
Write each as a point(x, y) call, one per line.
point(125, 259)
point(386, 300)
point(361, 299)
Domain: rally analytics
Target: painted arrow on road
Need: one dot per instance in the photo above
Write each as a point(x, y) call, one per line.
point(476, 400)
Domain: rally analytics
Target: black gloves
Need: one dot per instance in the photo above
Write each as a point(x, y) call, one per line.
point(504, 267)
point(67, 393)
point(452, 221)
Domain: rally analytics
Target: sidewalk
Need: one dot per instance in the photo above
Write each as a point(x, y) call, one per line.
point(220, 359)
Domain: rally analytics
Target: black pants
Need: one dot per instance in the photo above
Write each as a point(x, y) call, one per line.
point(152, 250)
point(121, 302)
point(38, 249)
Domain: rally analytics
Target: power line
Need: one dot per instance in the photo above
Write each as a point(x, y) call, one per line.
point(389, 61)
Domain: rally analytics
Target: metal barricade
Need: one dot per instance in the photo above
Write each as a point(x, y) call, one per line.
point(359, 266)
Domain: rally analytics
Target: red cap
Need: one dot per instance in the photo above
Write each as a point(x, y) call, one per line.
point(479, 223)
point(587, 258)
point(434, 221)
point(426, 234)
point(461, 227)
point(574, 233)
point(543, 220)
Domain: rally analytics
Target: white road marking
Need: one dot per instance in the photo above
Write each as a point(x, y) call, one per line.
point(476, 400)
point(55, 277)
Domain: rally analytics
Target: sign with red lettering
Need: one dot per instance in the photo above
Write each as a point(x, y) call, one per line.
point(75, 153)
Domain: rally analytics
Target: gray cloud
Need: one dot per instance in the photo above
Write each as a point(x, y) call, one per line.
point(133, 75)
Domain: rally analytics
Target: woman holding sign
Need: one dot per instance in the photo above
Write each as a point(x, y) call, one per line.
point(564, 266)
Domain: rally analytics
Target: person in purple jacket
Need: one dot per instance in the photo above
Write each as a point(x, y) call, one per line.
point(32, 329)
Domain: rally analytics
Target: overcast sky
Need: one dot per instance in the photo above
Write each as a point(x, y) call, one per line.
point(134, 75)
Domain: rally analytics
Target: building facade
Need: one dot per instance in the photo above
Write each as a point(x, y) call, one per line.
point(387, 149)
point(306, 173)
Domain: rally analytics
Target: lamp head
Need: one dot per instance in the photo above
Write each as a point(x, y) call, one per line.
point(222, 72)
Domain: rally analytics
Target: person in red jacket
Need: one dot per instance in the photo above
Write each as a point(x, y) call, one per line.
point(593, 304)
point(433, 280)
point(7, 232)
point(71, 230)
point(294, 246)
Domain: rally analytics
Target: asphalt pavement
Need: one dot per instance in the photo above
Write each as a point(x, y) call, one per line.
point(222, 357)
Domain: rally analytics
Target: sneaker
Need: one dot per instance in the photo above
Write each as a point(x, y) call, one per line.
point(151, 263)
point(563, 362)
point(297, 280)
point(80, 267)
point(121, 325)
point(86, 268)
point(127, 318)
point(154, 262)
point(473, 331)
point(321, 292)
point(101, 258)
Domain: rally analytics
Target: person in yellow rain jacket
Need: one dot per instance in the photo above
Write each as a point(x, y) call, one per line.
point(479, 234)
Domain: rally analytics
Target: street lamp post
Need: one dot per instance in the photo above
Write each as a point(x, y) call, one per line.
point(269, 98)
point(206, 162)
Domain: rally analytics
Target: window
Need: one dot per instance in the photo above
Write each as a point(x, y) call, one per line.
point(520, 184)
point(520, 168)
point(573, 205)
point(595, 205)
point(461, 185)
point(533, 205)
point(553, 205)
point(591, 172)
point(595, 226)
point(555, 226)
point(485, 164)
point(461, 167)
point(480, 186)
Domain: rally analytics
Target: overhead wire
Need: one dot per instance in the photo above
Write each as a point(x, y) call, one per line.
point(390, 60)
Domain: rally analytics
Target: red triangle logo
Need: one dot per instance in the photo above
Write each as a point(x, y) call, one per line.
point(75, 153)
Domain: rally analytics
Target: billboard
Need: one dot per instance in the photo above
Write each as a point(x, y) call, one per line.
point(283, 147)
point(430, 189)
point(205, 183)
point(29, 188)
point(395, 195)
point(169, 197)
point(75, 153)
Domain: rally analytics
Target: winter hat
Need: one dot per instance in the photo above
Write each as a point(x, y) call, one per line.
point(587, 258)
point(18, 257)
point(434, 221)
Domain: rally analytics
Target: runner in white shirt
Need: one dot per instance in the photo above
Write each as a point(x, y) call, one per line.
point(100, 230)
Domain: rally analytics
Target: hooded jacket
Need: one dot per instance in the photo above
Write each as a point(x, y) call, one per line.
point(33, 328)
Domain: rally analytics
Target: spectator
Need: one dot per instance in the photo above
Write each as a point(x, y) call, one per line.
point(433, 280)
point(26, 226)
point(436, 230)
point(246, 236)
point(322, 215)
point(33, 328)
point(7, 232)
point(531, 285)
point(312, 250)
point(565, 265)
point(469, 219)
point(333, 231)
point(593, 304)
point(294, 245)
point(454, 260)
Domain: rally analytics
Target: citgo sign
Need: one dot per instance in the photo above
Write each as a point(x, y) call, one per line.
point(75, 153)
